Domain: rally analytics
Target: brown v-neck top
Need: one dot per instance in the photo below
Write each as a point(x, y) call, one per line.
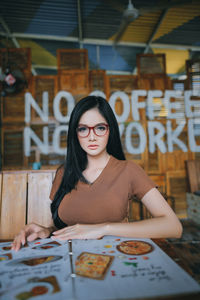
point(107, 198)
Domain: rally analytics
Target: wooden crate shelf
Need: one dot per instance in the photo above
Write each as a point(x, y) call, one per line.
point(72, 59)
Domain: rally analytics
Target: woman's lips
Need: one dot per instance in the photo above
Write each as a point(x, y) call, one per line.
point(93, 147)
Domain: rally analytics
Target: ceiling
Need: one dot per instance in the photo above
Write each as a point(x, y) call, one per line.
point(163, 26)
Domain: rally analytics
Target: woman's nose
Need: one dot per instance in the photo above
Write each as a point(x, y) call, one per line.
point(92, 135)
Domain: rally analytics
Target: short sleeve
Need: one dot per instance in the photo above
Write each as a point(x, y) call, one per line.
point(56, 182)
point(141, 183)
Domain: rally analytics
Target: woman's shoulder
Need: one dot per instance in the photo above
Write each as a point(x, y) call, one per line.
point(139, 180)
point(136, 170)
point(59, 173)
point(127, 164)
point(57, 181)
point(133, 165)
point(60, 169)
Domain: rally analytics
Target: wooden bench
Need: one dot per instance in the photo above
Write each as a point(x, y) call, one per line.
point(24, 198)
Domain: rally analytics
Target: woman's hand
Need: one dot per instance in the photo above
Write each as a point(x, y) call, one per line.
point(30, 233)
point(80, 231)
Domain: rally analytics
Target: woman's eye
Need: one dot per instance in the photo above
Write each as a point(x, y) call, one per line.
point(82, 129)
point(101, 127)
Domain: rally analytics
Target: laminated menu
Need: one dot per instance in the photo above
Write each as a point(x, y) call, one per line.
point(108, 268)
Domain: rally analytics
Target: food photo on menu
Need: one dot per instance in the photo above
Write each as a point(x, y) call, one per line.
point(108, 268)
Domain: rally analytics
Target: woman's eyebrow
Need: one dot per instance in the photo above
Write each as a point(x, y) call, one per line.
point(102, 123)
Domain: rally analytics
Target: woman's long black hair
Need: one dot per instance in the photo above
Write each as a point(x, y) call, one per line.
point(76, 160)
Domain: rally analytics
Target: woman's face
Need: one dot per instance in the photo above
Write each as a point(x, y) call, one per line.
point(93, 144)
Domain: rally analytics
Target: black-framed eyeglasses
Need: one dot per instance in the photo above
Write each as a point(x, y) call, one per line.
point(99, 130)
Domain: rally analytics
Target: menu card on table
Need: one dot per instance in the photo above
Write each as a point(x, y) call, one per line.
point(104, 269)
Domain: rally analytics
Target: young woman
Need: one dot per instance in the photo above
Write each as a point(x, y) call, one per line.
point(91, 192)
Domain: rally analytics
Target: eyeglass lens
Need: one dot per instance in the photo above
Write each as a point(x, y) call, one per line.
point(99, 130)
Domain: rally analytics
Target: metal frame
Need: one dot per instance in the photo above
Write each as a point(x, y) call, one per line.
point(98, 41)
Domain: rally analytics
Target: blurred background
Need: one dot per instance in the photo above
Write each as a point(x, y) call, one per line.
point(114, 45)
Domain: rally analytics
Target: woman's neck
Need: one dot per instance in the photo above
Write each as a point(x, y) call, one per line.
point(95, 166)
point(98, 162)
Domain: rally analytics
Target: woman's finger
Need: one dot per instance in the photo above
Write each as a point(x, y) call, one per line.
point(32, 237)
point(29, 233)
point(63, 236)
point(23, 237)
point(44, 233)
point(17, 243)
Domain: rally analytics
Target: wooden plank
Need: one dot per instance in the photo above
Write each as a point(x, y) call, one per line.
point(176, 160)
point(13, 107)
point(176, 187)
point(72, 59)
point(39, 185)
point(13, 205)
point(0, 193)
point(75, 82)
point(160, 181)
point(155, 162)
point(13, 104)
point(198, 173)
point(193, 173)
point(43, 83)
point(12, 148)
point(135, 210)
point(21, 57)
point(125, 83)
point(140, 158)
point(151, 64)
point(174, 175)
point(98, 81)
point(30, 171)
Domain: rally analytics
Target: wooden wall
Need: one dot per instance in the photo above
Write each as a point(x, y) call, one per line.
point(74, 76)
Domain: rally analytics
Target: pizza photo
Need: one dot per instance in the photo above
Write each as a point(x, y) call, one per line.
point(134, 247)
point(92, 265)
point(34, 261)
